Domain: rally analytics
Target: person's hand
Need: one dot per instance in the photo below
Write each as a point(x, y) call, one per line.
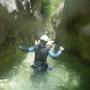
point(61, 48)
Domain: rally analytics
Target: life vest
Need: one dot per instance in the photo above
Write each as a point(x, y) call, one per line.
point(41, 54)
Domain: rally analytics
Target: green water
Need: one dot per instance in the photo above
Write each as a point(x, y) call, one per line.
point(67, 74)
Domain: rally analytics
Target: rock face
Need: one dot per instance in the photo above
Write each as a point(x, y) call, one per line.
point(20, 23)
point(20, 20)
point(74, 30)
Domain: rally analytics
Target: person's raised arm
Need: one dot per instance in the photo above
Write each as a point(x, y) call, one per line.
point(31, 49)
point(56, 55)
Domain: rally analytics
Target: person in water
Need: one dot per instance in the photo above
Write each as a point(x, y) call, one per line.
point(42, 52)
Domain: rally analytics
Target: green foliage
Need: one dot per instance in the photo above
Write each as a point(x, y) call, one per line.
point(49, 6)
point(54, 5)
point(45, 8)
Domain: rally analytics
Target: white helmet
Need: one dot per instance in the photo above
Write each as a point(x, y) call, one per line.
point(44, 38)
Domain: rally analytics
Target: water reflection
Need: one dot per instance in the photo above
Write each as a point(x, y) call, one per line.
point(39, 80)
point(60, 78)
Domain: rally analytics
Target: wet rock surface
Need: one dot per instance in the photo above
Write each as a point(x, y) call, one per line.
point(73, 31)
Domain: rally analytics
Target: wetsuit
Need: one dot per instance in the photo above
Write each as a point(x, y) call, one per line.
point(41, 54)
